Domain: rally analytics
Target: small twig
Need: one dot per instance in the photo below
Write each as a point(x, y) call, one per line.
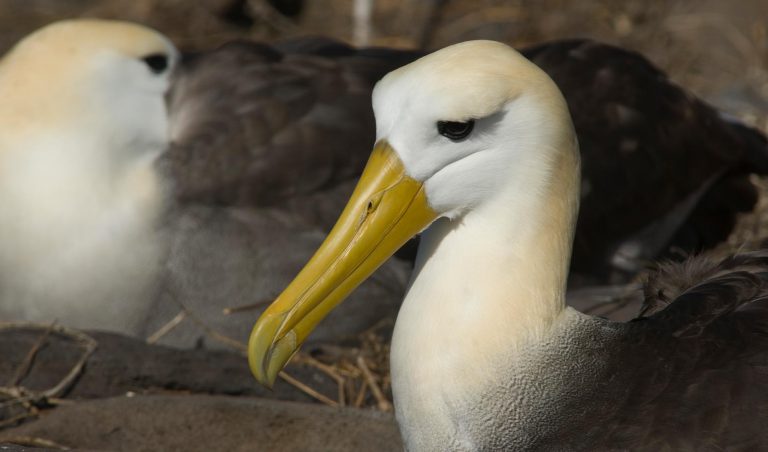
point(246, 307)
point(167, 328)
point(25, 365)
point(382, 401)
point(360, 395)
point(302, 358)
point(307, 390)
point(342, 395)
point(18, 395)
point(90, 346)
point(234, 343)
point(33, 441)
point(88, 342)
point(349, 370)
point(15, 419)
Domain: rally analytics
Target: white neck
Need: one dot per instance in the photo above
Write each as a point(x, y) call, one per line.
point(485, 286)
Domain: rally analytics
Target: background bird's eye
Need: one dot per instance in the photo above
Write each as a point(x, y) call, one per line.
point(157, 62)
point(455, 130)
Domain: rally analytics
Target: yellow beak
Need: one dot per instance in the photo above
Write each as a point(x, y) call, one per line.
point(386, 209)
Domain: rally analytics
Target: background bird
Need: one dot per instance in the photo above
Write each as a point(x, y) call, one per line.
point(99, 233)
point(83, 119)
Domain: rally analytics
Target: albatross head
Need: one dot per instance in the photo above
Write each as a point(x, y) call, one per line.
point(103, 77)
point(456, 130)
point(82, 118)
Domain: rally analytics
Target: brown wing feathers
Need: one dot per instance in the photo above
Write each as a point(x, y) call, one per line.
point(256, 124)
point(718, 308)
point(647, 145)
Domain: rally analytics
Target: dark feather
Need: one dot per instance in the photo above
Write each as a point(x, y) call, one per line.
point(702, 357)
point(647, 145)
point(690, 376)
point(672, 280)
point(256, 124)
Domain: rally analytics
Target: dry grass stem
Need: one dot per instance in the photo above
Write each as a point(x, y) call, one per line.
point(213, 334)
point(25, 365)
point(331, 371)
point(361, 395)
point(167, 328)
point(32, 441)
point(307, 390)
point(342, 394)
point(30, 400)
point(246, 307)
point(11, 421)
point(383, 403)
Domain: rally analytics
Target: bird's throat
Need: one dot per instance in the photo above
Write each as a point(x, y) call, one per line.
point(486, 286)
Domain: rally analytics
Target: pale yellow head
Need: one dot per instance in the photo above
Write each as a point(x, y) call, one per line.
point(82, 119)
point(520, 122)
point(469, 133)
point(87, 71)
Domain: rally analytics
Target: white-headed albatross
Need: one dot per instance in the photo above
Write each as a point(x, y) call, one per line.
point(476, 147)
point(115, 202)
point(82, 120)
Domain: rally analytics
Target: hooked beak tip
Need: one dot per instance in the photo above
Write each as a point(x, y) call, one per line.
point(269, 350)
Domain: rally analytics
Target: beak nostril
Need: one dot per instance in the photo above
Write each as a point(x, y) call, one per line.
point(373, 204)
point(370, 208)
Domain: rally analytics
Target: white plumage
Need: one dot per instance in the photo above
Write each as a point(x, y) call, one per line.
point(82, 120)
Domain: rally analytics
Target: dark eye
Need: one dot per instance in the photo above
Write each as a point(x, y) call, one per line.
point(455, 131)
point(157, 62)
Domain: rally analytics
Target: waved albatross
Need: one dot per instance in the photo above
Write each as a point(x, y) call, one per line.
point(83, 119)
point(117, 203)
point(475, 144)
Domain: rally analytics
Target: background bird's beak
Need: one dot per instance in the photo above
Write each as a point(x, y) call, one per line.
point(386, 209)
